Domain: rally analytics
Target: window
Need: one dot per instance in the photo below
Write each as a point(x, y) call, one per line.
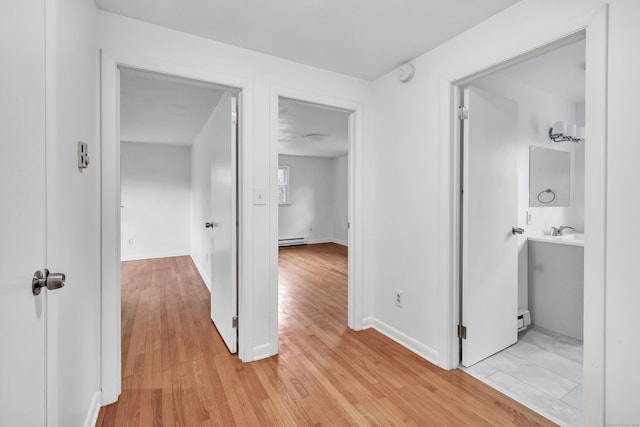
point(283, 185)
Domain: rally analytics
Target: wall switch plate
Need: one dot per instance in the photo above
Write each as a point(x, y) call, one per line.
point(259, 196)
point(529, 221)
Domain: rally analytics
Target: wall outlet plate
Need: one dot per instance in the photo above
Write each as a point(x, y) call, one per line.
point(398, 299)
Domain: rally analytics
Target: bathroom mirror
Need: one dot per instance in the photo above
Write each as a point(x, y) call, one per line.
point(549, 177)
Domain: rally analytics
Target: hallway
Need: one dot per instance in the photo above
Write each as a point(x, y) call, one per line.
point(177, 371)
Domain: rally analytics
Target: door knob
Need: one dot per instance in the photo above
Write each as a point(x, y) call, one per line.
point(517, 230)
point(51, 281)
point(209, 224)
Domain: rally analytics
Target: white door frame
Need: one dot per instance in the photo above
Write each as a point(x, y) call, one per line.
point(596, 30)
point(356, 139)
point(111, 375)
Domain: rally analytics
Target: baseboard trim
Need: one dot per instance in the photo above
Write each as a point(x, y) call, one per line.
point(204, 278)
point(261, 352)
point(319, 241)
point(94, 410)
point(404, 340)
point(152, 256)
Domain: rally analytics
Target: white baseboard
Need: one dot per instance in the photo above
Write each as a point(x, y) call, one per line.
point(204, 277)
point(152, 256)
point(318, 241)
point(94, 410)
point(404, 340)
point(261, 352)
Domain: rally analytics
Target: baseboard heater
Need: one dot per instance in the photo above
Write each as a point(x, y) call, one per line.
point(294, 241)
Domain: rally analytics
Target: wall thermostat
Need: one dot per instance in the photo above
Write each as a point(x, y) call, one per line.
point(406, 72)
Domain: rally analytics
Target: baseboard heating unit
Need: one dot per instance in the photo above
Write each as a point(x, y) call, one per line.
point(294, 241)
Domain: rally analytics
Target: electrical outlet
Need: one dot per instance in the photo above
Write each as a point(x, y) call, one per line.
point(398, 300)
point(130, 242)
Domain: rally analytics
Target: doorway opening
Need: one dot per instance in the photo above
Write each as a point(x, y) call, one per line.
point(522, 229)
point(313, 215)
point(175, 158)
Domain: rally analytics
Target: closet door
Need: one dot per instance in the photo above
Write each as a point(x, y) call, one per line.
point(22, 213)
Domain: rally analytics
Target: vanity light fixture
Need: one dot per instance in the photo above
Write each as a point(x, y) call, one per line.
point(563, 131)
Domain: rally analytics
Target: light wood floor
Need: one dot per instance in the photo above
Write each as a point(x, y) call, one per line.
point(177, 371)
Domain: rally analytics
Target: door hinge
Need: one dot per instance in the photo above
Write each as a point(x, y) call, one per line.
point(463, 112)
point(234, 117)
point(234, 322)
point(462, 332)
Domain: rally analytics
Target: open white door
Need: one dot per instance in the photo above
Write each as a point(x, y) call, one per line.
point(23, 214)
point(489, 212)
point(223, 225)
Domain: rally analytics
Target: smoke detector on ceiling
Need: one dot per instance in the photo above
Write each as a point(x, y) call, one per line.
point(315, 137)
point(406, 72)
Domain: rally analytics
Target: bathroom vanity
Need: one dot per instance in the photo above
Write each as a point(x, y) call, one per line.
point(556, 283)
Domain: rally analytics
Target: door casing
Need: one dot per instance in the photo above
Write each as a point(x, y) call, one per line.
point(355, 298)
point(111, 376)
point(596, 30)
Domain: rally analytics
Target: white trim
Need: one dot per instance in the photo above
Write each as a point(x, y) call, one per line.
point(595, 218)
point(111, 377)
point(404, 340)
point(201, 270)
point(355, 178)
point(154, 256)
point(262, 351)
point(327, 240)
point(94, 410)
point(111, 370)
point(595, 213)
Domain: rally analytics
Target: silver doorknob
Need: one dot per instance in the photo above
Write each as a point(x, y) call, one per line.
point(51, 281)
point(517, 230)
point(209, 224)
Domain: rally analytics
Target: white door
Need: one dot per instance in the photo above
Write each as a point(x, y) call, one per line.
point(223, 228)
point(489, 212)
point(22, 213)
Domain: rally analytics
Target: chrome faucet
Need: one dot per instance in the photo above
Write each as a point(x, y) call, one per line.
point(558, 231)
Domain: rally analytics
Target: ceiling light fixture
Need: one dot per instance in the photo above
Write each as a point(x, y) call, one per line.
point(315, 137)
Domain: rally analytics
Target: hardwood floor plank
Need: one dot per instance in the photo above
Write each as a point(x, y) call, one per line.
point(178, 372)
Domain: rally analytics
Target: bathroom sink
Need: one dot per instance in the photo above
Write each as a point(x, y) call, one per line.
point(576, 239)
point(575, 236)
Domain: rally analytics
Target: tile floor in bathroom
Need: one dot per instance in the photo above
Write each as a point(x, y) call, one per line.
point(543, 371)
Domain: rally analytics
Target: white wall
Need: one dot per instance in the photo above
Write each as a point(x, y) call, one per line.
point(407, 238)
point(537, 111)
point(73, 221)
point(411, 135)
point(130, 41)
point(317, 193)
point(341, 199)
point(156, 200)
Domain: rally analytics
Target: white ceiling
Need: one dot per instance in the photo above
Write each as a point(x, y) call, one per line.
point(560, 72)
point(361, 38)
point(162, 109)
point(297, 119)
